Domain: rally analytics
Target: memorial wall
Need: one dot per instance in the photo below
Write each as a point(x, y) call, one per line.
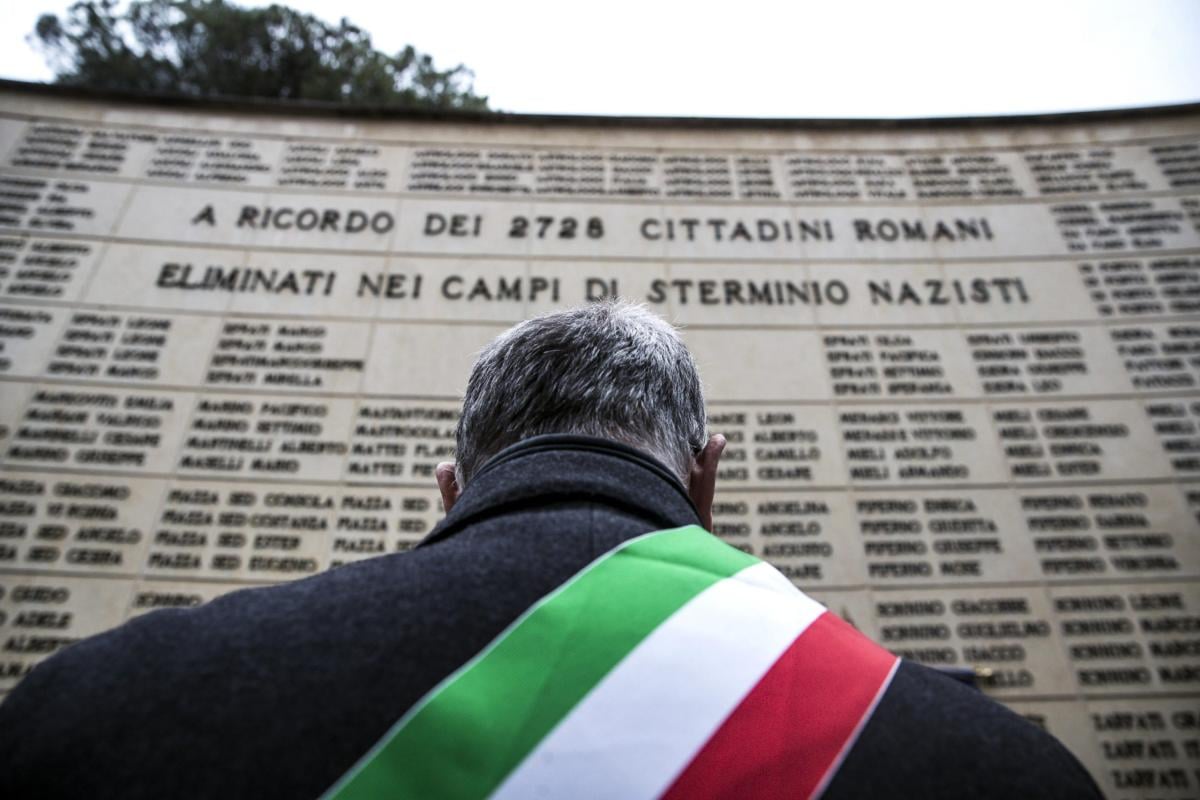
point(958, 365)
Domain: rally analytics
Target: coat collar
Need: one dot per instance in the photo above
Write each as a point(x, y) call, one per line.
point(558, 467)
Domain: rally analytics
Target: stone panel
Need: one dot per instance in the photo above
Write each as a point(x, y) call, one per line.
point(958, 367)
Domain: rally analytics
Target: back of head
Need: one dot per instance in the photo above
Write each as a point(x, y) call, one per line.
point(612, 370)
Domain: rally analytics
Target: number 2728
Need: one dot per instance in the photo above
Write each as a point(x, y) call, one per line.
point(555, 228)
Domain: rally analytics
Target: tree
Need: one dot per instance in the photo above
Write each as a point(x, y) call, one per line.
point(210, 47)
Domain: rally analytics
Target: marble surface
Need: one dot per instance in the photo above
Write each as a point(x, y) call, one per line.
point(958, 368)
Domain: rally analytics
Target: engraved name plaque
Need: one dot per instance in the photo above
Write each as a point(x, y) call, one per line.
point(958, 365)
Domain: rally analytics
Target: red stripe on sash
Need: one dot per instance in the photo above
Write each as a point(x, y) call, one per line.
point(793, 728)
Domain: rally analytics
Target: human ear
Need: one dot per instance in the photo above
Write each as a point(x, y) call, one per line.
point(447, 483)
point(702, 482)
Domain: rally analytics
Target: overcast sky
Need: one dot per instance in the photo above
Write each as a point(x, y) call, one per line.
point(750, 58)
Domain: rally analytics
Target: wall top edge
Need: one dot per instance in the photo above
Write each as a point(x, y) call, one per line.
point(334, 111)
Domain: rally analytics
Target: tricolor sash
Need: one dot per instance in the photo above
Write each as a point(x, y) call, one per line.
point(672, 666)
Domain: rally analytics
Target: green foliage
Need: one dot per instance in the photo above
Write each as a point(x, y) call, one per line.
point(210, 47)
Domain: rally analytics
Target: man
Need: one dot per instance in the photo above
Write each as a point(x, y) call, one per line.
point(569, 630)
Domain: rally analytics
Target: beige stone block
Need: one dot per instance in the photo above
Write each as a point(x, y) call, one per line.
point(918, 445)
point(1103, 646)
point(586, 231)
point(376, 521)
point(14, 397)
point(133, 347)
point(873, 232)
point(399, 362)
point(923, 364)
point(482, 227)
point(11, 131)
point(1148, 746)
point(896, 365)
point(270, 437)
point(1175, 423)
point(1042, 362)
point(92, 524)
point(1078, 440)
point(1138, 166)
point(189, 215)
point(164, 277)
point(1008, 630)
point(739, 295)
point(1183, 232)
point(237, 160)
point(1143, 288)
point(28, 537)
point(46, 269)
point(189, 344)
point(79, 148)
point(140, 150)
point(1025, 291)
point(303, 356)
point(40, 615)
point(801, 533)
point(396, 289)
point(258, 532)
point(28, 337)
point(62, 204)
point(1164, 613)
point(734, 232)
point(99, 429)
point(1137, 532)
point(935, 537)
point(1016, 230)
point(464, 289)
point(1129, 638)
point(271, 220)
point(744, 365)
point(820, 178)
point(1097, 168)
point(400, 443)
point(171, 408)
point(341, 223)
point(999, 174)
point(380, 167)
point(1158, 357)
point(196, 526)
point(191, 155)
point(585, 281)
point(882, 294)
point(311, 285)
point(1109, 225)
point(781, 445)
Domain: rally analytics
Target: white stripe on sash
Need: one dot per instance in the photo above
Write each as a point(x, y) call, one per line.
point(645, 721)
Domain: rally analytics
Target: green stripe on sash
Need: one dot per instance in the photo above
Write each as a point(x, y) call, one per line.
point(464, 737)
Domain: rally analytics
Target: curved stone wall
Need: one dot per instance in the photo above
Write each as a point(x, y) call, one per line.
point(957, 365)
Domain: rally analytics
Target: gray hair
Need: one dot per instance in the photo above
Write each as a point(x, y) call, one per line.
point(610, 369)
